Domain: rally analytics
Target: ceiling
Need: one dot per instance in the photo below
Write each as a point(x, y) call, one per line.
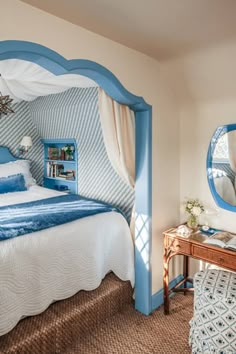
point(162, 29)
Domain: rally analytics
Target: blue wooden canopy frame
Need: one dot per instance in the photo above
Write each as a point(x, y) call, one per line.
point(58, 65)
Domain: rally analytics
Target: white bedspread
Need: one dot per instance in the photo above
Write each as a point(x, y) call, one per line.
point(53, 264)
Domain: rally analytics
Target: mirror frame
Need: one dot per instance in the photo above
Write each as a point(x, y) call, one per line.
point(219, 132)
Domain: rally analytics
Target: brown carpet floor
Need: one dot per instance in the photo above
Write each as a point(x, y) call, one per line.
point(64, 322)
point(130, 332)
point(103, 321)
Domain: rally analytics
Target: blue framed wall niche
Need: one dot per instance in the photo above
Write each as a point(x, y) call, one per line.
point(58, 65)
point(61, 168)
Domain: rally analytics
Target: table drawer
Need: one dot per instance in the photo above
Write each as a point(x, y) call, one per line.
point(214, 256)
point(179, 246)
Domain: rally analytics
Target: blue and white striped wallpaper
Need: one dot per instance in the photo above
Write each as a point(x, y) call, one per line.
point(12, 129)
point(71, 114)
point(75, 114)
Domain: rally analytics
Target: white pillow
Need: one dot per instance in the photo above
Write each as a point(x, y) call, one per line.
point(15, 167)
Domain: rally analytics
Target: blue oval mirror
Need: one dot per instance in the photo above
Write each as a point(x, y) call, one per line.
point(221, 166)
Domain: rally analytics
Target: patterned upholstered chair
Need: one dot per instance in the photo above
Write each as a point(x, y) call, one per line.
point(213, 326)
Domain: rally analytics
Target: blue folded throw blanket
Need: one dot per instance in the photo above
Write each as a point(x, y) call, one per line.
point(21, 219)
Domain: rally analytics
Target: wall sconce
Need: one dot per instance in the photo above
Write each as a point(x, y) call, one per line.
point(25, 144)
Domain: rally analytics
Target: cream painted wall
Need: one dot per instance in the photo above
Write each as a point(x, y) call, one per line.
point(208, 81)
point(205, 84)
point(198, 123)
point(139, 74)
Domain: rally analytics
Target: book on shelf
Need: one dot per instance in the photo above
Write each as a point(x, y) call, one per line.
point(54, 169)
point(70, 173)
point(50, 170)
point(223, 239)
point(65, 173)
point(66, 177)
point(62, 156)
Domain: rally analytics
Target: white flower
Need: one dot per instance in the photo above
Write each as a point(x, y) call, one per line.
point(193, 207)
point(196, 211)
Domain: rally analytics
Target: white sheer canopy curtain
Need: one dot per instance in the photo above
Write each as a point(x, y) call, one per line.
point(25, 81)
point(118, 127)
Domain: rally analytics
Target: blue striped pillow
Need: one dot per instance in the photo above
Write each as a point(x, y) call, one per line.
point(13, 183)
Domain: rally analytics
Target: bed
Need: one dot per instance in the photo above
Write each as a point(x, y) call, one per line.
point(39, 268)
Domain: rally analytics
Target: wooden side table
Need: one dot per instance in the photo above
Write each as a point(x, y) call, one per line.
point(194, 247)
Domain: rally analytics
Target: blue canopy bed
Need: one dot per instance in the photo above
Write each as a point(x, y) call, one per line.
point(58, 65)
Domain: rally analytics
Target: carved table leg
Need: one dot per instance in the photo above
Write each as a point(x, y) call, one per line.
point(185, 270)
point(166, 281)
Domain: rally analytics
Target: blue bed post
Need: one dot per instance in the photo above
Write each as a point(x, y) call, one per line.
point(58, 65)
point(143, 208)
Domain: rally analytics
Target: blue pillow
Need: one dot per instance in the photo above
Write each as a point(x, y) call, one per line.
point(14, 183)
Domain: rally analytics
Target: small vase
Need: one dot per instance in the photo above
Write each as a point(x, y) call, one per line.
point(68, 157)
point(192, 222)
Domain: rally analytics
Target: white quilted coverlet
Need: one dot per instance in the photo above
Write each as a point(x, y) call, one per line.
point(37, 269)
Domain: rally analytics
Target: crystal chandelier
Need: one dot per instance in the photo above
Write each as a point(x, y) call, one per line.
point(5, 102)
